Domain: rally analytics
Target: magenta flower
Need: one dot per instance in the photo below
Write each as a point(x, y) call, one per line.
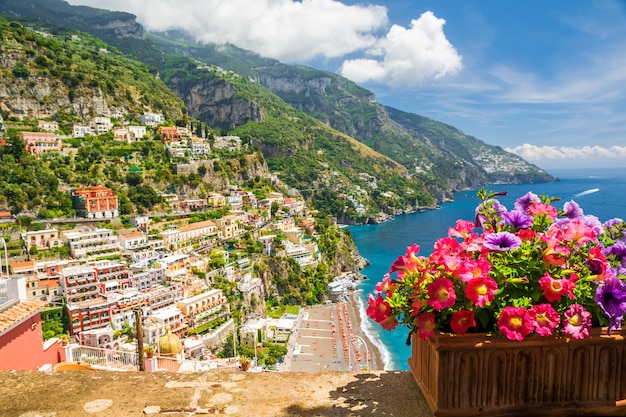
point(462, 321)
point(379, 310)
point(515, 323)
point(520, 274)
point(577, 321)
point(611, 297)
point(481, 291)
point(426, 325)
point(441, 294)
point(502, 241)
point(545, 319)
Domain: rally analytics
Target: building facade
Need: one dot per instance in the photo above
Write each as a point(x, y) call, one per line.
point(95, 202)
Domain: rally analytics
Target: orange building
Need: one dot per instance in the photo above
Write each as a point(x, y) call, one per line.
point(95, 202)
point(169, 133)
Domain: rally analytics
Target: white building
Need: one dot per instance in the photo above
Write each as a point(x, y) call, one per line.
point(151, 119)
point(81, 131)
point(90, 241)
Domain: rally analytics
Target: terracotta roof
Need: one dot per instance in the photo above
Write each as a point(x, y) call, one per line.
point(198, 225)
point(48, 283)
point(22, 266)
point(19, 312)
point(132, 235)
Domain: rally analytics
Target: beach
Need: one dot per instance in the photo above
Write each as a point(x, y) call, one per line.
point(330, 338)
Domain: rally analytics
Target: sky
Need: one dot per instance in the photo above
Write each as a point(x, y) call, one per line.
point(545, 80)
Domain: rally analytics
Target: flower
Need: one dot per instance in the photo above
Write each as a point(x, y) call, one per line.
point(577, 321)
point(515, 322)
point(462, 321)
point(534, 269)
point(611, 297)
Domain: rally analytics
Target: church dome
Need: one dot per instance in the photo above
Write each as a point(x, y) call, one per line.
point(169, 344)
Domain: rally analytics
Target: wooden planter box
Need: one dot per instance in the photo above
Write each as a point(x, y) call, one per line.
point(476, 375)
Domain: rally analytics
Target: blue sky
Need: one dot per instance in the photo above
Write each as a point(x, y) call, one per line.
point(546, 80)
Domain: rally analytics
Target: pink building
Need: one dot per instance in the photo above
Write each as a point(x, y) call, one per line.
point(38, 142)
point(21, 341)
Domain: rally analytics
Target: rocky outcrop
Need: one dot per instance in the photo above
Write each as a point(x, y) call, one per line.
point(127, 28)
point(40, 97)
point(221, 173)
point(213, 101)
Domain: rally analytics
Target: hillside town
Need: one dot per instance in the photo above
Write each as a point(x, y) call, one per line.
point(190, 283)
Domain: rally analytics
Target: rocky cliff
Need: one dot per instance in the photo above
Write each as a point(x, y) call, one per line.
point(214, 101)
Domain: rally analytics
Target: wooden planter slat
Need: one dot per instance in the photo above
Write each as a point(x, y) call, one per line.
point(478, 374)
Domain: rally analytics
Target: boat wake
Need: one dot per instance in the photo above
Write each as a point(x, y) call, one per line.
point(587, 192)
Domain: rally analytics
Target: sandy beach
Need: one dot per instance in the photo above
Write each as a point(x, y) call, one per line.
point(329, 338)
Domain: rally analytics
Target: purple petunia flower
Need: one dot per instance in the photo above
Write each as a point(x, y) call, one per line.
point(618, 249)
point(572, 210)
point(518, 219)
point(611, 297)
point(613, 222)
point(593, 221)
point(502, 241)
point(526, 200)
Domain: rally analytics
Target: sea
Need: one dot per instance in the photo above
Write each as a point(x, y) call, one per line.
point(601, 192)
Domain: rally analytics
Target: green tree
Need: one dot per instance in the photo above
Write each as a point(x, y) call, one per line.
point(134, 178)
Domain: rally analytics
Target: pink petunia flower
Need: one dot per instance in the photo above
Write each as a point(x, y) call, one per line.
point(537, 209)
point(386, 286)
point(462, 321)
point(408, 262)
point(462, 229)
point(553, 289)
point(481, 291)
point(474, 269)
point(515, 323)
point(578, 232)
point(426, 325)
point(379, 310)
point(577, 321)
point(441, 294)
point(545, 319)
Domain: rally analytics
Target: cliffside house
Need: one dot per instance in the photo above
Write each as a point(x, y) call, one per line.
point(90, 241)
point(95, 202)
point(79, 131)
point(47, 126)
point(169, 133)
point(101, 125)
point(39, 142)
point(42, 239)
point(151, 119)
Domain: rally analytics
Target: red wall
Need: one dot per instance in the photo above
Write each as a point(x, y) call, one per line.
point(21, 348)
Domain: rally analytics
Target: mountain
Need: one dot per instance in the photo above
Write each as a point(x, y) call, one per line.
point(442, 155)
point(325, 135)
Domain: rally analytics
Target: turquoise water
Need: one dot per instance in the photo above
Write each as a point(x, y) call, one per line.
point(598, 192)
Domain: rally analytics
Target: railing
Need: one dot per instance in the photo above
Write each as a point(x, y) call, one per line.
point(116, 360)
point(166, 364)
point(106, 359)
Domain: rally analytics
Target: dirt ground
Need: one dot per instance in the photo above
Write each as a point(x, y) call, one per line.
point(98, 393)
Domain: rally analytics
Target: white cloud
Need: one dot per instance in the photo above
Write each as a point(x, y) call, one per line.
point(287, 30)
point(300, 31)
point(539, 153)
point(407, 57)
